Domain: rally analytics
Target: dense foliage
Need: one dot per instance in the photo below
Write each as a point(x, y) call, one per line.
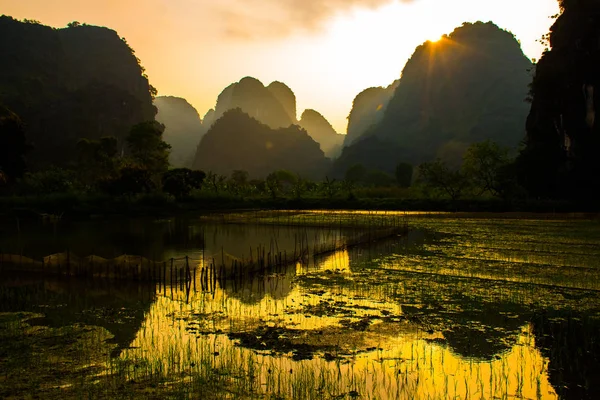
point(13, 147)
point(72, 83)
point(239, 142)
point(468, 87)
point(563, 135)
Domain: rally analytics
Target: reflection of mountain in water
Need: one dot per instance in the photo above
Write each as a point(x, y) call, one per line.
point(483, 319)
point(118, 307)
point(570, 341)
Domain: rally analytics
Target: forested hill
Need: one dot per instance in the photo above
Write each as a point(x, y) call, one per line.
point(183, 128)
point(237, 141)
point(367, 111)
point(468, 87)
point(66, 84)
point(274, 106)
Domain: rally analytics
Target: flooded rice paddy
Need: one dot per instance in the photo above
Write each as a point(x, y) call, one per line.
point(457, 308)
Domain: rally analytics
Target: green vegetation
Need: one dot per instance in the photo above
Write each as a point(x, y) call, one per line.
point(239, 142)
point(66, 84)
point(563, 134)
point(466, 88)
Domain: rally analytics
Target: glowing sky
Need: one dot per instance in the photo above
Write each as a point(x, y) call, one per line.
point(327, 51)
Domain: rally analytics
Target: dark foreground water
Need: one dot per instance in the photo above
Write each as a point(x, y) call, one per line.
point(459, 308)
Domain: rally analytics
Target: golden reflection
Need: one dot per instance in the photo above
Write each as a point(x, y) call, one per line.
point(410, 366)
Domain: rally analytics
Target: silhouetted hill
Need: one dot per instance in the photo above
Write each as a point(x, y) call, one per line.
point(468, 87)
point(367, 110)
point(563, 134)
point(65, 84)
point(237, 141)
point(286, 97)
point(322, 132)
point(252, 97)
point(183, 129)
point(372, 152)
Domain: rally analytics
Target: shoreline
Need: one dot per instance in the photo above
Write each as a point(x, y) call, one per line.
point(90, 207)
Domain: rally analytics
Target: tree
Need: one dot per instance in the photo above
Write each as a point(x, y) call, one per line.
point(281, 181)
point(180, 182)
point(48, 181)
point(483, 163)
point(438, 176)
point(356, 173)
point(97, 159)
point(13, 146)
point(240, 177)
point(300, 187)
point(131, 180)
point(404, 173)
point(331, 187)
point(216, 181)
point(378, 178)
point(146, 147)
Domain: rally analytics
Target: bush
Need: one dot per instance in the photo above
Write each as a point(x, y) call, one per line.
point(53, 180)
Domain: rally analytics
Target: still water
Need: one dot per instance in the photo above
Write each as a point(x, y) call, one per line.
point(458, 308)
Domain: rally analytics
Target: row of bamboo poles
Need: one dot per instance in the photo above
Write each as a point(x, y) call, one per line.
point(339, 233)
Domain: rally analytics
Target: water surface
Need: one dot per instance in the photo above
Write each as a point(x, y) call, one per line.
point(466, 307)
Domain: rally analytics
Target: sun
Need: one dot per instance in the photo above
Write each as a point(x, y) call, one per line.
point(435, 38)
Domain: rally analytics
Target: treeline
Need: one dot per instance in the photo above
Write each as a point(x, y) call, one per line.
point(142, 169)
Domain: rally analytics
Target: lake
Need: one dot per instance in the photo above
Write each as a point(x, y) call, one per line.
point(459, 306)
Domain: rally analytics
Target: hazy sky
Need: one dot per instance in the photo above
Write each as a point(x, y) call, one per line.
point(327, 51)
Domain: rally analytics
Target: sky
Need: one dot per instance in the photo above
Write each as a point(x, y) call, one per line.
point(326, 51)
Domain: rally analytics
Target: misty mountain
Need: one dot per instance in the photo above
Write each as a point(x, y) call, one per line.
point(238, 141)
point(274, 106)
point(368, 109)
point(468, 87)
point(183, 129)
point(67, 84)
point(286, 97)
point(252, 97)
point(322, 132)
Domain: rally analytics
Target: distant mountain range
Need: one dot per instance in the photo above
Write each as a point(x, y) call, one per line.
point(86, 82)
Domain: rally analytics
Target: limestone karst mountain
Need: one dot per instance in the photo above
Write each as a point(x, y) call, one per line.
point(236, 141)
point(367, 110)
point(252, 97)
point(286, 97)
point(468, 87)
point(560, 159)
point(183, 128)
point(71, 83)
point(275, 106)
point(322, 132)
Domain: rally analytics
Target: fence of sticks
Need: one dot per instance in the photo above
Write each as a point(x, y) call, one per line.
point(334, 232)
point(125, 267)
point(265, 260)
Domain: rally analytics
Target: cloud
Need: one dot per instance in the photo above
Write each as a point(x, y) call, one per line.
point(256, 19)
